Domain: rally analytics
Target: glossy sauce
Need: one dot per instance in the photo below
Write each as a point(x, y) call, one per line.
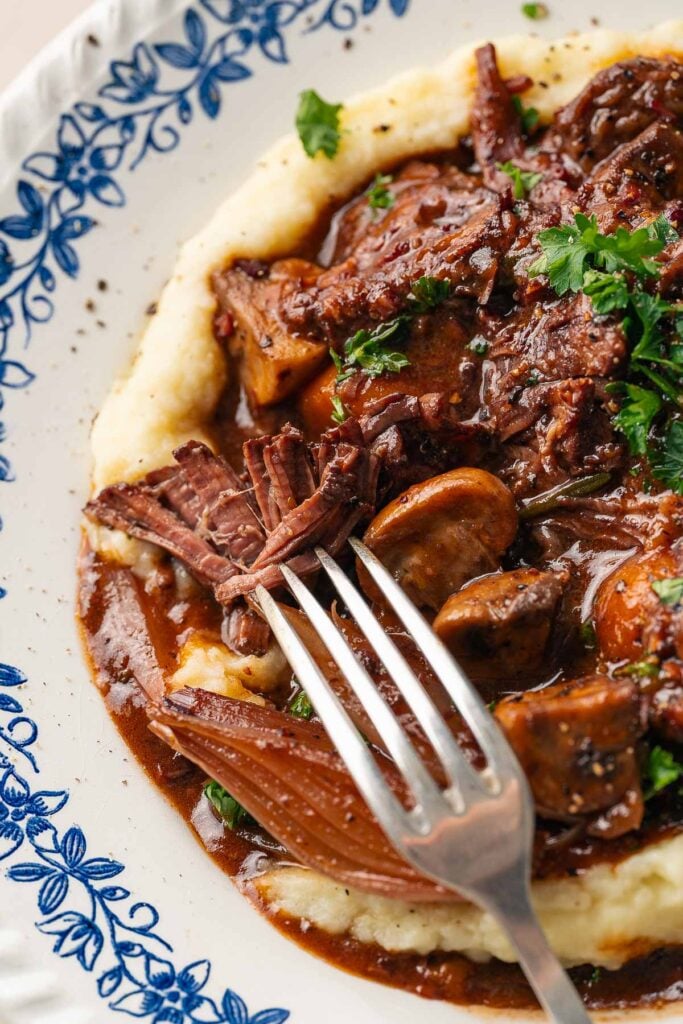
point(133, 629)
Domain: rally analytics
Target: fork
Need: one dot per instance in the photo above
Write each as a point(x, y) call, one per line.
point(474, 836)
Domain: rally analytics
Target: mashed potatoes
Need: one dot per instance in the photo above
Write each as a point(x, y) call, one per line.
point(608, 914)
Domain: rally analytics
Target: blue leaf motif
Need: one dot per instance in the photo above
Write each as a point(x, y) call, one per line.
point(90, 112)
point(184, 110)
point(75, 227)
point(201, 1010)
point(107, 158)
point(399, 7)
point(195, 31)
point(100, 868)
point(31, 199)
point(108, 982)
point(139, 1003)
point(270, 1017)
point(6, 316)
point(45, 165)
point(70, 138)
point(11, 676)
point(8, 703)
point(19, 227)
point(47, 278)
point(47, 802)
point(235, 1008)
point(11, 838)
point(6, 471)
point(53, 892)
point(29, 872)
point(76, 936)
point(14, 789)
point(73, 847)
point(42, 835)
point(229, 70)
point(160, 973)
point(14, 375)
point(210, 96)
point(6, 262)
point(272, 44)
point(106, 190)
point(195, 976)
point(114, 892)
point(177, 56)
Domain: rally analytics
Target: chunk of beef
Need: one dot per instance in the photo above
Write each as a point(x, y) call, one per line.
point(280, 472)
point(634, 184)
point(496, 126)
point(245, 631)
point(446, 228)
point(499, 628)
point(275, 361)
point(577, 744)
point(617, 104)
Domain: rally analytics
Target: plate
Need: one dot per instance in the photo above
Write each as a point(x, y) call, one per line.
point(117, 144)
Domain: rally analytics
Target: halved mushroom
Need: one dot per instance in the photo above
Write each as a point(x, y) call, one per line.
point(441, 533)
point(499, 628)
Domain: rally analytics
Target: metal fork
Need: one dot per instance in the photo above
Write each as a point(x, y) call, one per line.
point(474, 836)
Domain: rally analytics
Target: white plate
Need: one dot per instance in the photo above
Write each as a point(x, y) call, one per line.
point(113, 154)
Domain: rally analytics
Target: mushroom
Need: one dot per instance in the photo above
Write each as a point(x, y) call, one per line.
point(499, 627)
point(441, 533)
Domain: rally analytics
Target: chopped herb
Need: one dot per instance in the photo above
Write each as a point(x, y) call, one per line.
point(301, 706)
point(479, 346)
point(587, 634)
point(535, 11)
point(595, 976)
point(667, 459)
point(369, 351)
point(640, 669)
point(379, 196)
point(662, 770)
point(639, 407)
point(232, 812)
point(317, 123)
point(522, 181)
point(669, 591)
point(339, 412)
point(550, 499)
point(607, 291)
point(663, 229)
point(427, 293)
point(528, 116)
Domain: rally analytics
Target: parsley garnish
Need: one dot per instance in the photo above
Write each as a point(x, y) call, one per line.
point(301, 706)
point(232, 812)
point(317, 123)
point(640, 669)
point(522, 181)
point(528, 116)
point(612, 270)
point(339, 412)
point(535, 11)
point(479, 345)
point(669, 591)
point(662, 770)
point(379, 196)
point(368, 351)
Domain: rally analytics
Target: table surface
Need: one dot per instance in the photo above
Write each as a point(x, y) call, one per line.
point(26, 26)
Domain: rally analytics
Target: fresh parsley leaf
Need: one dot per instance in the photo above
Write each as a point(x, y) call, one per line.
point(478, 345)
point(522, 181)
point(379, 196)
point(663, 230)
point(339, 412)
point(535, 11)
point(669, 591)
point(607, 291)
point(301, 706)
point(649, 310)
point(662, 769)
point(640, 669)
point(232, 812)
point(367, 351)
point(588, 636)
point(667, 460)
point(638, 410)
point(427, 293)
point(317, 123)
point(528, 116)
point(628, 250)
point(566, 251)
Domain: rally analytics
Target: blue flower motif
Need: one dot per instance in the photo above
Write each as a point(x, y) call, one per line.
point(81, 169)
point(134, 80)
point(171, 997)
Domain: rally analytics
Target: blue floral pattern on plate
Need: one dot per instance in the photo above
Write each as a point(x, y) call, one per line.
point(142, 108)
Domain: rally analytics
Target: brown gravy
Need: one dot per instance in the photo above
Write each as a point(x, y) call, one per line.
point(130, 631)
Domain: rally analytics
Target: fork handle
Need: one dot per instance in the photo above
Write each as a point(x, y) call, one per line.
point(553, 987)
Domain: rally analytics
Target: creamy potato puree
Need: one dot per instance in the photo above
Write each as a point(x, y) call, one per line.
point(611, 912)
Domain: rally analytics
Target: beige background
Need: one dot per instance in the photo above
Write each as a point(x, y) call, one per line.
point(26, 26)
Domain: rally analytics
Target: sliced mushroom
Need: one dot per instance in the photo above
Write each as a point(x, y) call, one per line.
point(577, 745)
point(499, 628)
point(441, 533)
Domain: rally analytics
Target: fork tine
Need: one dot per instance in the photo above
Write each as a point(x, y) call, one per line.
point(420, 782)
point(493, 743)
point(364, 770)
point(462, 776)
